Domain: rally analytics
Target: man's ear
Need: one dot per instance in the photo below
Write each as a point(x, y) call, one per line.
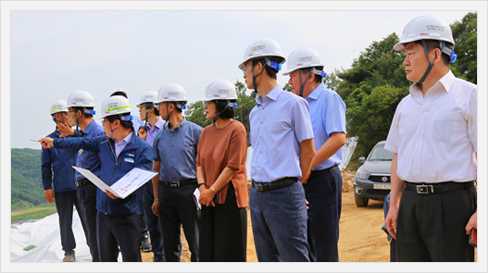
point(437, 55)
point(258, 67)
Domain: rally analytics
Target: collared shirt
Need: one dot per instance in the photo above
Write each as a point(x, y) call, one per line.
point(152, 132)
point(328, 115)
point(120, 145)
point(177, 150)
point(87, 159)
point(435, 135)
point(279, 122)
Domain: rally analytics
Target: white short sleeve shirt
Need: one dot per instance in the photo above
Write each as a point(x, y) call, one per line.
point(435, 136)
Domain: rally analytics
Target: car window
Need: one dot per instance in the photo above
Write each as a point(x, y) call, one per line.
point(380, 154)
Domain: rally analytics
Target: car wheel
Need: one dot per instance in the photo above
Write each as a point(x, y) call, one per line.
point(361, 202)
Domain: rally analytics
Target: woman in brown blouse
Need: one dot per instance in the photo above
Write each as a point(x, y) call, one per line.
point(222, 180)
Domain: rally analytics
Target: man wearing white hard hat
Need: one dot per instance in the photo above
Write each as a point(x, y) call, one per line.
point(433, 138)
point(58, 180)
point(149, 114)
point(175, 151)
point(119, 221)
point(323, 188)
point(81, 105)
point(283, 149)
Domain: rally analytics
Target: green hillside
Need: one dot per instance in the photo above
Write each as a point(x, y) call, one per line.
point(26, 182)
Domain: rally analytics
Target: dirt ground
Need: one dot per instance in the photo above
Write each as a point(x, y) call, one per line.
point(361, 238)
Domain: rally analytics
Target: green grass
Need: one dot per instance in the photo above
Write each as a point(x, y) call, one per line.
point(33, 213)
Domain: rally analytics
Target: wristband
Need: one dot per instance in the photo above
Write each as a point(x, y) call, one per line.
point(156, 200)
point(199, 185)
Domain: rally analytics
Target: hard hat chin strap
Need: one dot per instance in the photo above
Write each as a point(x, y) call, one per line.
point(227, 105)
point(254, 77)
point(429, 68)
point(302, 85)
point(169, 114)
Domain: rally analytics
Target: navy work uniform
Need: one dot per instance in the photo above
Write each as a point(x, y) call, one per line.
point(57, 173)
point(86, 190)
point(119, 221)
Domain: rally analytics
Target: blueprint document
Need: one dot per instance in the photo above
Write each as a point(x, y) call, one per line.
point(126, 185)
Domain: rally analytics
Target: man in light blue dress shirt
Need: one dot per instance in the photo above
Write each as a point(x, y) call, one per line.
point(324, 185)
point(149, 114)
point(282, 138)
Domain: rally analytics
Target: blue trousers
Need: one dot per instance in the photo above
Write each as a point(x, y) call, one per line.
point(115, 231)
point(152, 221)
point(279, 224)
point(324, 194)
point(87, 197)
point(64, 205)
point(177, 208)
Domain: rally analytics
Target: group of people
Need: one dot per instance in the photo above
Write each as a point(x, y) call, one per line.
point(295, 198)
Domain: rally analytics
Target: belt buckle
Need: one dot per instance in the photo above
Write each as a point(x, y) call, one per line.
point(174, 184)
point(258, 187)
point(424, 189)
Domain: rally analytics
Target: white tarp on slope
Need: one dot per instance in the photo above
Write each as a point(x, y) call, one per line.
point(44, 235)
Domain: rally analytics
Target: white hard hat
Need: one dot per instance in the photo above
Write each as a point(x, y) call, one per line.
point(303, 58)
point(116, 105)
point(148, 96)
point(425, 28)
point(171, 92)
point(220, 90)
point(58, 107)
point(81, 98)
point(263, 48)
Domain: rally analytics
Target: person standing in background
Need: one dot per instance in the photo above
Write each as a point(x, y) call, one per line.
point(175, 152)
point(323, 188)
point(222, 179)
point(58, 180)
point(152, 124)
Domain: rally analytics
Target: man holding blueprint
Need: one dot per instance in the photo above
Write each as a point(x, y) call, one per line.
point(121, 153)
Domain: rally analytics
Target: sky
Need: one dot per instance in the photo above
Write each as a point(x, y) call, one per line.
point(50, 49)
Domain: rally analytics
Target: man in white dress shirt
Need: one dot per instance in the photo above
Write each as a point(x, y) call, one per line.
point(433, 137)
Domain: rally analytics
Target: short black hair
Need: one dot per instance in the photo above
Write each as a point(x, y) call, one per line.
point(318, 78)
point(225, 113)
point(270, 71)
point(149, 106)
point(125, 124)
point(86, 115)
point(433, 44)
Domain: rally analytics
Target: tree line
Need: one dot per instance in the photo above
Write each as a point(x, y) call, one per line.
point(371, 88)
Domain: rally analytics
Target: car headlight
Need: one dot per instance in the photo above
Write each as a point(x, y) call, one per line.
point(361, 175)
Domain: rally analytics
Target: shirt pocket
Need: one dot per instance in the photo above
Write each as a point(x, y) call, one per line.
point(445, 124)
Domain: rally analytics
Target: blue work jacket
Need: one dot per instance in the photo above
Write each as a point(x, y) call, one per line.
point(56, 167)
point(137, 153)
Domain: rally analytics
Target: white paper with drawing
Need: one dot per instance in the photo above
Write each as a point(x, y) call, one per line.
point(126, 185)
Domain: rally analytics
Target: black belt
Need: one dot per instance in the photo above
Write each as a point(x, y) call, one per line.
point(177, 184)
point(429, 188)
point(277, 184)
point(82, 182)
point(314, 174)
